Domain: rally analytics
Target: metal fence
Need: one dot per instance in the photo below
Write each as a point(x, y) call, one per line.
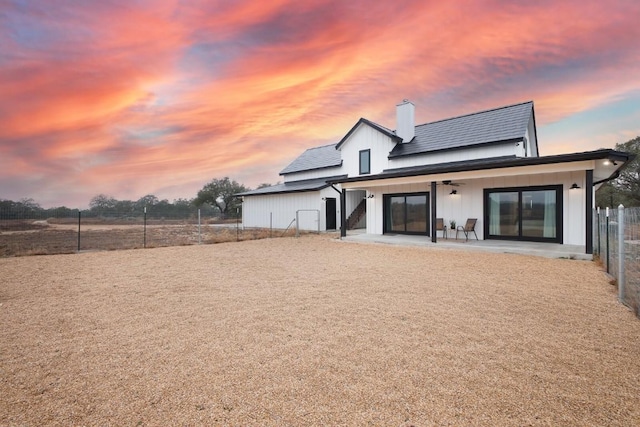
point(57, 231)
point(617, 245)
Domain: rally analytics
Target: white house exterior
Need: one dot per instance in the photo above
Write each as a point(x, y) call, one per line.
point(483, 165)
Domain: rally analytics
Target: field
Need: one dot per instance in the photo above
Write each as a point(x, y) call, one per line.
point(60, 236)
point(313, 331)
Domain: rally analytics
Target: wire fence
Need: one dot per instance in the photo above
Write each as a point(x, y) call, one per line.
point(59, 231)
point(617, 245)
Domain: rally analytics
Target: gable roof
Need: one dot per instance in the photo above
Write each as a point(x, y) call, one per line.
point(391, 134)
point(293, 186)
point(503, 124)
point(326, 156)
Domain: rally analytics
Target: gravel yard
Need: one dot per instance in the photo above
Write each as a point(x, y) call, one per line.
point(313, 331)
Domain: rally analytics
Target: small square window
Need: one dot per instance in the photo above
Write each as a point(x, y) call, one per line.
point(365, 162)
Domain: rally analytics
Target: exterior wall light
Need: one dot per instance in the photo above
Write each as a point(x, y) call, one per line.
point(370, 196)
point(574, 186)
point(453, 192)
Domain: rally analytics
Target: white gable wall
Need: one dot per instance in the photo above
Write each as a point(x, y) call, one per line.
point(366, 138)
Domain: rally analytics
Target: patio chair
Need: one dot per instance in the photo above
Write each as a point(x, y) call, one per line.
point(441, 227)
point(469, 227)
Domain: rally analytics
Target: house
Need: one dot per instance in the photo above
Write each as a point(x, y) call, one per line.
point(485, 165)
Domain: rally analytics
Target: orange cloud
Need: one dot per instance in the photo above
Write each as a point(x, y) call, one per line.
point(169, 94)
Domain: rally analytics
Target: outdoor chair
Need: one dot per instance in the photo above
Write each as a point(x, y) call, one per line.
point(441, 227)
point(469, 227)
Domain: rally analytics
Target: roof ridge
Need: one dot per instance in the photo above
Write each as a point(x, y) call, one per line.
point(477, 112)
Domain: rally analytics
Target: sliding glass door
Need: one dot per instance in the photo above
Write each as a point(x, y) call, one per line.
point(528, 213)
point(406, 213)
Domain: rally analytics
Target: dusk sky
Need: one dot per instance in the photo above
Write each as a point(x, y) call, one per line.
point(136, 97)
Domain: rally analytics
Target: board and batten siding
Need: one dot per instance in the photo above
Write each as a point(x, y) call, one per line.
point(469, 201)
point(366, 138)
point(439, 157)
point(259, 211)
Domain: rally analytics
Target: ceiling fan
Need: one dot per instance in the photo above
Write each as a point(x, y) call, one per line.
point(453, 184)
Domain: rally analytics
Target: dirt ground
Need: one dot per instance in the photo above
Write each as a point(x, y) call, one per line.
point(313, 331)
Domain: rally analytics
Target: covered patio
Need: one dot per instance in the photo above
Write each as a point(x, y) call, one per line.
point(547, 250)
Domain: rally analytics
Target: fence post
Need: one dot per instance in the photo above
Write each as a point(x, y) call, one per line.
point(607, 213)
point(199, 232)
point(270, 224)
point(598, 223)
point(79, 214)
point(621, 278)
point(144, 238)
point(297, 225)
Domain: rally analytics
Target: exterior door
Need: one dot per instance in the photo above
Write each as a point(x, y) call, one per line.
point(526, 213)
point(406, 213)
point(330, 212)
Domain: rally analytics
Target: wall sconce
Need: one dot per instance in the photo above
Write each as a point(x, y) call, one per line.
point(453, 192)
point(574, 186)
point(370, 196)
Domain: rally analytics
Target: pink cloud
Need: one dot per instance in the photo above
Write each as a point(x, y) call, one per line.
point(167, 95)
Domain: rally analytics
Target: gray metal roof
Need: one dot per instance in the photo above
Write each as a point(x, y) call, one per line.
point(500, 124)
point(293, 187)
point(315, 158)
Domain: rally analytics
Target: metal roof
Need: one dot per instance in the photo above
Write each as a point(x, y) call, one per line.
point(498, 125)
point(315, 158)
point(294, 186)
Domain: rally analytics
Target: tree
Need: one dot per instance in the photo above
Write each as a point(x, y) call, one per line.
point(102, 204)
point(625, 189)
point(221, 193)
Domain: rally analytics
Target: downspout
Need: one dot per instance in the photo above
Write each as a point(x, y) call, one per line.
point(343, 215)
point(611, 178)
point(343, 207)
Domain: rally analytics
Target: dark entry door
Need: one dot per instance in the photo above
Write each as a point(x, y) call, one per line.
point(331, 213)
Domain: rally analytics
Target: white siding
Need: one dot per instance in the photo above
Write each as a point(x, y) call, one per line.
point(278, 210)
point(366, 138)
point(483, 152)
point(469, 202)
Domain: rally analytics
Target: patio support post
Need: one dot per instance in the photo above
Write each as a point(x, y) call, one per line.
point(343, 213)
point(588, 188)
point(433, 212)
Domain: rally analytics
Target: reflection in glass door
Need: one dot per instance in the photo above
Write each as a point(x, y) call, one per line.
point(503, 214)
point(530, 213)
point(406, 213)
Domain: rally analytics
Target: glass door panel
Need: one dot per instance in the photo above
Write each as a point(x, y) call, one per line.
point(396, 213)
point(417, 214)
point(539, 213)
point(503, 214)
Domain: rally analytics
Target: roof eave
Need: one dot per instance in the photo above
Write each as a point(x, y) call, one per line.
point(518, 161)
point(283, 173)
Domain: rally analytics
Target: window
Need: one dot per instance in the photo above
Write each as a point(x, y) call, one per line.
point(529, 213)
point(365, 162)
point(406, 213)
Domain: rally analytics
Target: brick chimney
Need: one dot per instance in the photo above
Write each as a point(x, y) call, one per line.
point(405, 117)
